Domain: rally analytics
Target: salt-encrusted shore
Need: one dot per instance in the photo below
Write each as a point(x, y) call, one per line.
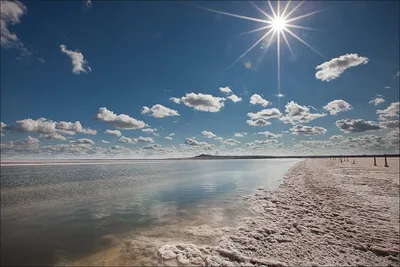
point(325, 212)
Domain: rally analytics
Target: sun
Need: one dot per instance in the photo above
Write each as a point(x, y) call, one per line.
point(278, 24)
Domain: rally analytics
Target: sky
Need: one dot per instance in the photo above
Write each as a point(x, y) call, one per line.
point(130, 79)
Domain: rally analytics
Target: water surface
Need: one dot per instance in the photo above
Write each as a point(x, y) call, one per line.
point(50, 208)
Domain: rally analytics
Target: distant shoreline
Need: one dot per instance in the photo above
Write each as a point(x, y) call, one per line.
point(199, 157)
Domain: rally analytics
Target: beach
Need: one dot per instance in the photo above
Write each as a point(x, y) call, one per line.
point(325, 212)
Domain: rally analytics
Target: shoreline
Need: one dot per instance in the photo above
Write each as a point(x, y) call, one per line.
point(323, 213)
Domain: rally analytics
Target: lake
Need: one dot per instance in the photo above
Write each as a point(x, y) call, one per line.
point(49, 208)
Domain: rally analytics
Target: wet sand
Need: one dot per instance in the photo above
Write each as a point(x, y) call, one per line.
point(325, 212)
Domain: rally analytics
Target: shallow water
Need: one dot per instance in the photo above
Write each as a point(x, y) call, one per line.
point(46, 209)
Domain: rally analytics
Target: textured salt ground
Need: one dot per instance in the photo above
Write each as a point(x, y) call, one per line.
point(324, 213)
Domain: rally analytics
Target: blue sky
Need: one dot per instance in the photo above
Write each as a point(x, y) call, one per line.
point(64, 61)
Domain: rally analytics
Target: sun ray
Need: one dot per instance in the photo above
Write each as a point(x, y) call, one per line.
point(302, 27)
point(248, 50)
point(279, 63)
point(288, 44)
point(304, 42)
point(272, 9)
point(232, 15)
point(293, 10)
point(256, 30)
point(286, 7)
point(304, 16)
point(278, 9)
point(262, 11)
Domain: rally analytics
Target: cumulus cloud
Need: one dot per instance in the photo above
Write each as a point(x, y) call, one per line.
point(391, 112)
point(175, 100)
point(159, 111)
point(88, 3)
point(208, 134)
point(53, 136)
point(203, 145)
point(231, 142)
point(258, 100)
point(265, 114)
point(203, 102)
point(122, 121)
point(242, 134)
point(296, 113)
point(332, 69)
point(82, 141)
point(168, 137)
point(307, 130)
point(390, 124)
point(377, 100)
point(45, 126)
point(357, 125)
point(336, 137)
point(113, 132)
point(105, 142)
point(336, 106)
point(141, 139)
point(2, 125)
point(269, 134)
point(149, 130)
point(11, 13)
point(226, 90)
point(79, 64)
point(258, 122)
point(74, 127)
point(235, 98)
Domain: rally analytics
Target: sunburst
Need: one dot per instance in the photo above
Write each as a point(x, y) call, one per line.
point(277, 25)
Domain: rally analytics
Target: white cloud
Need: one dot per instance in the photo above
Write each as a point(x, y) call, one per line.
point(387, 87)
point(332, 69)
point(74, 127)
point(336, 137)
point(231, 142)
point(88, 3)
point(307, 130)
point(258, 122)
point(377, 100)
point(105, 142)
point(149, 130)
point(203, 102)
point(257, 99)
point(265, 114)
point(79, 64)
point(2, 125)
point(242, 134)
point(145, 139)
point(203, 145)
point(53, 136)
point(159, 111)
point(82, 141)
point(175, 100)
point(171, 134)
point(296, 113)
point(279, 95)
point(11, 13)
point(269, 134)
point(140, 139)
point(391, 112)
point(113, 132)
point(168, 137)
point(208, 134)
point(45, 126)
point(390, 124)
point(336, 106)
point(127, 140)
point(235, 98)
point(122, 121)
point(226, 90)
point(357, 125)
